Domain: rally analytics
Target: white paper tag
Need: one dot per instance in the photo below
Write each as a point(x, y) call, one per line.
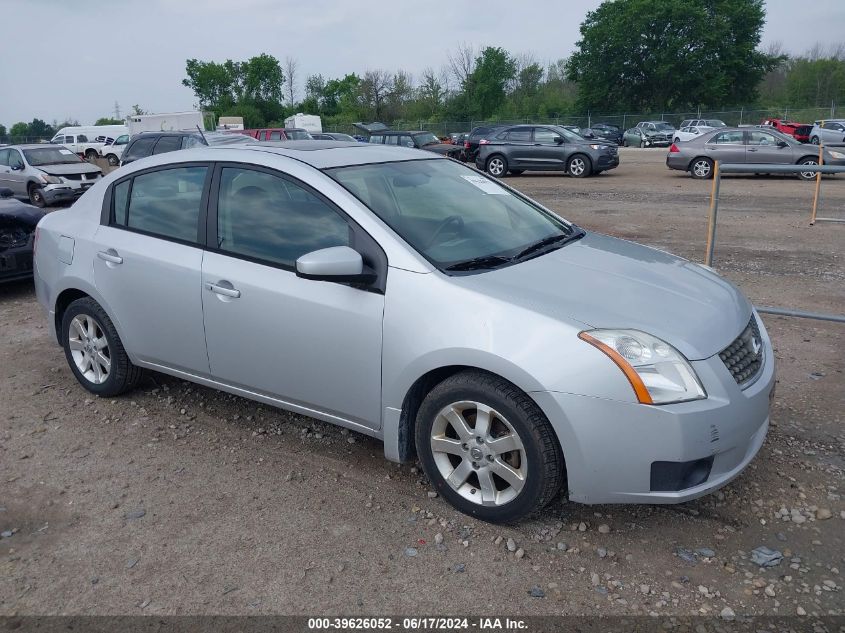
point(65, 151)
point(487, 186)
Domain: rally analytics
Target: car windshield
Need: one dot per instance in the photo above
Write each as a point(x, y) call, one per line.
point(568, 134)
point(451, 214)
point(716, 123)
point(50, 156)
point(297, 135)
point(426, 138)
point(663, 126)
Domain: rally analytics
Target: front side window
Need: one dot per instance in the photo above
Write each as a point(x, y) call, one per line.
point(391, 140)
point(728, 138)
point(426, 138)
point(141, 148)
point(298, 135)
point(81, 139)
point(191, 141)
point(761, 138)
point(449, 213)
point(122, 140)
point(167, 202)
point(267, 217)
point(4, 157)
point(377, 138)
point(275, 136)
point(544, 135)
point(167, 144)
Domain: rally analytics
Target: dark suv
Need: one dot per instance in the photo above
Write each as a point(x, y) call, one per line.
point(519, 148)
point(471, 142)
point(419, 139)
point(149, 143)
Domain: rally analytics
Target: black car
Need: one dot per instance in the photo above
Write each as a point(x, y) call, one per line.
point(150, 143)
point(17, 235)
point(419, 139)
point(472, 141)
point(606, 131)
point(332, 136)
point(518, 148)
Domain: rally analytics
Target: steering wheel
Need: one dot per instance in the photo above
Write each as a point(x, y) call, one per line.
point(457, 220)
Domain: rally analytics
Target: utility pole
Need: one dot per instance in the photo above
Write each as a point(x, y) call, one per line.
point(116, 110)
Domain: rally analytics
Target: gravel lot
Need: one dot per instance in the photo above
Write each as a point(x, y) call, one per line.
point(178, 499)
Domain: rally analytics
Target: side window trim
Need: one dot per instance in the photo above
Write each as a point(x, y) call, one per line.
point(107, 214)
point(363, 242)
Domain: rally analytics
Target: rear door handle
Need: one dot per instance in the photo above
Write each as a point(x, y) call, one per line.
point(110, 256)
point(751, 149)
point(222, 290)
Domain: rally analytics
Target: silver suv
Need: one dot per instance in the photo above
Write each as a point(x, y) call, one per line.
point(408, 297)
point(828, 131)
point(45, 174)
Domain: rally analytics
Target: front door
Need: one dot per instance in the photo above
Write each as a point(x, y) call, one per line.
point(547, 153)
point(148, 263)
point(763, 148)
point(313, 344)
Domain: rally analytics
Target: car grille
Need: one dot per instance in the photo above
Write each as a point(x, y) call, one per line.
point(72, 176)
point(660, 137)
point(92, 176)
point(744, 357)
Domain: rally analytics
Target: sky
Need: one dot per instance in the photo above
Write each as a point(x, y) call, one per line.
point(85, 55)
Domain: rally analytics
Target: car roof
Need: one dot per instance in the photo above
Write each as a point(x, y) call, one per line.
point(32, 145)
point(167, 133)
point(326, 154)
point(388, 132)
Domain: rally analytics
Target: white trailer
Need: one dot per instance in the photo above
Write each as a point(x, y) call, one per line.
point(165, 122)
point(307, 122)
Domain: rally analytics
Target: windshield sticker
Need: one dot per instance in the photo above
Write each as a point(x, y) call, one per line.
point(487, 186)
point(65, 151)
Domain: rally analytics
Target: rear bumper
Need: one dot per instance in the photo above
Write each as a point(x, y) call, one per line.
point(676, 161)
point(16, 263)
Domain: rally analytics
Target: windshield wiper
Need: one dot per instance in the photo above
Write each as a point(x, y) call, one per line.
point(561, 238)
point(487, 261)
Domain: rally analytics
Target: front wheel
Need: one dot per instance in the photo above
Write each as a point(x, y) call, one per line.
point(36, 197)
point(497, 166)
point(814, 140)
point(91, 155)
point(808, 175)
point(112, 160)
point(94, 350)
point(487, 448)
point(579, 166)
point(701, 168)
point(624, 142)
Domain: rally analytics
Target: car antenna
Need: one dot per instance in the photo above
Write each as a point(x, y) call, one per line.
point(201, 134)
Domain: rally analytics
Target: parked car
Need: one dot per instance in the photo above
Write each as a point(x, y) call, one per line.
point(656, 126)
point(518, 148)
point(79, 145)
point(278, 134)
point(604, 131)
point(690, 132)
point(565, 356)
point(641, 137)
point(112, 150)
point(418, 139)
point(829, 131)
point(332, 136)
point(711, 123)
point(799, 131)
point(471, 144)
point(746, 145)
point(45, 173)
point(17, 236)
point(802, 133)
point(150, 143)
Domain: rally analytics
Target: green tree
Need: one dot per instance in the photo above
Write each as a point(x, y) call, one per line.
point(2, 130)
point(108, 121)
point(816, 80)
point(18, 129)
point(485, 86)
point(669, 54)
point(138, 110)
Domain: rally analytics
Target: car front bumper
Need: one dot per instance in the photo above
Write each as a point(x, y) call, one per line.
point(68, 190)
point(620, 452)
point(607, 161)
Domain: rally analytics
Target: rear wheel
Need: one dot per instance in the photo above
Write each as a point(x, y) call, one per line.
point(112, 160)
point(497, 166)
point(91, 155)
point(808, 175)
point(701, 168)
point(487, 448)
point(94, 350)
point(814, 140)
point(36, 196)
point(579, 166)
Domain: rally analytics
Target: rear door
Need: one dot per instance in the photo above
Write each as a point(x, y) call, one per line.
point(148, 264)
point(313, 344)
point(763, 148)
point(519, 148)
point(727, 147)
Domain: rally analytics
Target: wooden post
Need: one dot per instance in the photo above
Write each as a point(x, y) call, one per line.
point(714, 208)
point(818, 185)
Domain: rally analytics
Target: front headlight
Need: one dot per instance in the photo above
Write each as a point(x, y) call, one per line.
point(837, 155)
point(658, 373)
point(47, 179)
point(596, 146)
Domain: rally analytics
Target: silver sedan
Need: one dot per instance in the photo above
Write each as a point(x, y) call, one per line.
point(410, 298)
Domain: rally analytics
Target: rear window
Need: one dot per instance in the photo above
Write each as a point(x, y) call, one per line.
point(165, 203)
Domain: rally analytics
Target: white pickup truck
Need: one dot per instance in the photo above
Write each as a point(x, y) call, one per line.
point(80, 144)
point(112, 149)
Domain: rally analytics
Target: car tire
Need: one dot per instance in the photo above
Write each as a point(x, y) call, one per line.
point(112, 159)
point(814, 140)
point(579, 166)
point(36, 196)
point(624, 143)
point(516, 172)
point(94, 350)
point(496, 166)
point(808, 175)
point(469, 474)
point(701, 168)
point(677, 140)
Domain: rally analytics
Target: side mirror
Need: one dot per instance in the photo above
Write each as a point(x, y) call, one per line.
point(783, 144)
point(338, 263)
point(559, 140)
point(17, 167)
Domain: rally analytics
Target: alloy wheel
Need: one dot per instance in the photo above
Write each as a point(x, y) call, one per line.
point(809, 175)
point(701, 168)
point(577, 166)
point(496, 167)
point(478, 453)
point(89, 349)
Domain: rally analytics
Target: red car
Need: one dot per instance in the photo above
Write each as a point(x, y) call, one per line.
point(278, 134)
point(799, 131)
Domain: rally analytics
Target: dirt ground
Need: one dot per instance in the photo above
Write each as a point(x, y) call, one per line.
point(177, 499)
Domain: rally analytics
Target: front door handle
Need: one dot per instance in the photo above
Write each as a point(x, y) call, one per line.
point(110, 256)
point(222, 290)
point(752, 149)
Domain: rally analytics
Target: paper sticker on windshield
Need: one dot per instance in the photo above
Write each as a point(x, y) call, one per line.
point(65, 151)
point(487, 186)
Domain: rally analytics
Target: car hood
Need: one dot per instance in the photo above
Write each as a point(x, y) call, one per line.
point(442, 148)
point(71, 168)
point(656, 133)
point(604, 282)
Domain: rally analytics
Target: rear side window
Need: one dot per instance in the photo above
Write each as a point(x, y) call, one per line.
point(167, 202)
point(275, 136)
point(377, 138)
point(121, 197)
point(167, 144)
point(266, 217)
point(520, 135)
point(728, 138)
point(191, 141)
point(391, 140)
point(140, 148)
point(4, 157)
